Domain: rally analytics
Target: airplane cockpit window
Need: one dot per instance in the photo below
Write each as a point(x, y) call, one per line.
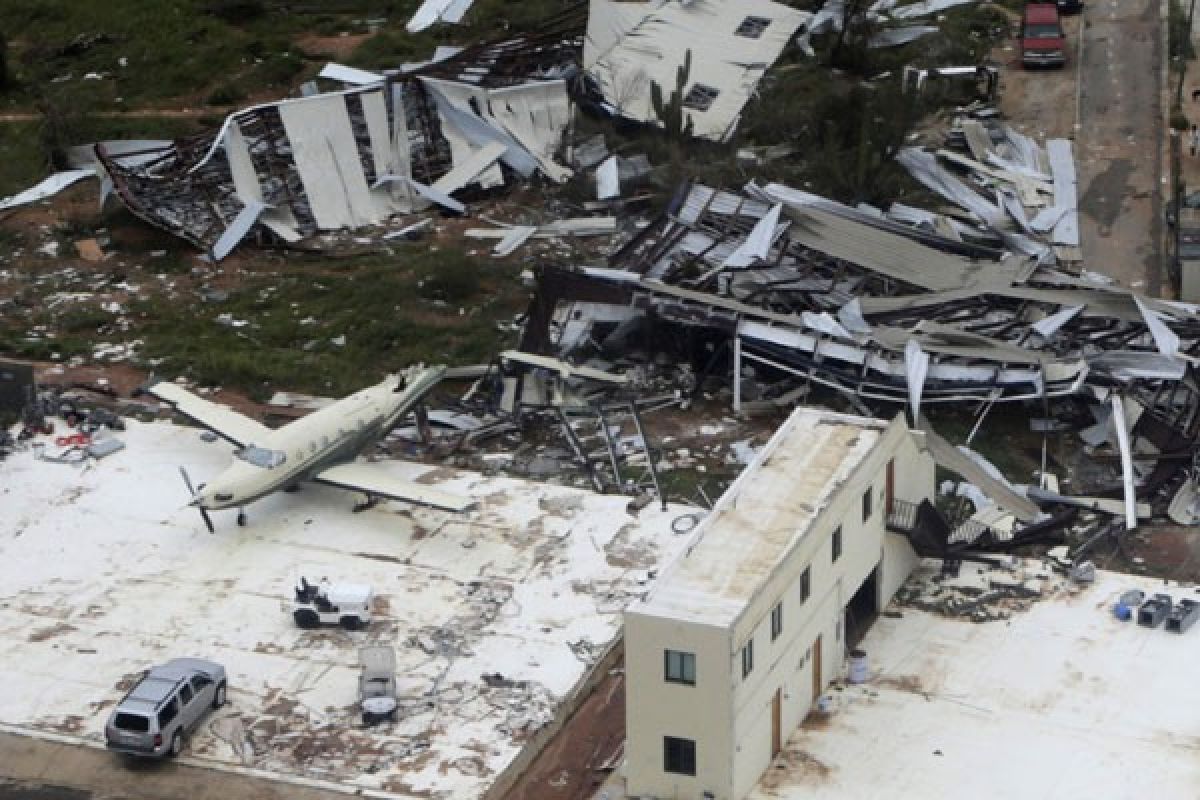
point(261, 457)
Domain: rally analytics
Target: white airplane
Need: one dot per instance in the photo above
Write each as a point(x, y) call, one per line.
point(321, 447)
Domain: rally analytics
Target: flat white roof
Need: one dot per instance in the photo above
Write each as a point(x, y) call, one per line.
point(104, 571)
point(761, 516)
point(1060, 701)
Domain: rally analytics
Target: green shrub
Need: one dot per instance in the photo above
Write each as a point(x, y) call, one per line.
point(225, 95)
point(453, 279)
point(235, 11)
point(1179, 42)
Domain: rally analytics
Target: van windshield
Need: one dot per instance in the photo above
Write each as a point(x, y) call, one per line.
point(1042, 32)
point(132, 722)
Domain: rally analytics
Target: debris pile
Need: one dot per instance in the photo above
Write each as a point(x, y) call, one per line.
point(978, 592)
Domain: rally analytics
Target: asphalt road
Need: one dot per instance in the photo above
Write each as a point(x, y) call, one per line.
point(1119, 140)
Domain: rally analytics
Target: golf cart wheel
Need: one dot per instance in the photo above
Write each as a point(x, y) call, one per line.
point(176, 744)
point(219, 695)
point(351, 623)
point(306, 618)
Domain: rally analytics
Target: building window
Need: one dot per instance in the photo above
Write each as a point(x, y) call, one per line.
point(776, 621)
point(752, 27)
point(679, 755)
point(805, 584)
point(680, 667)
point(748, 658)
point(837, 543)
point(866, 505)
point(700, 97)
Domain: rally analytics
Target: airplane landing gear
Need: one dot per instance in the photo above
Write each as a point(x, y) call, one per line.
point(366, 501)
point(241, 518)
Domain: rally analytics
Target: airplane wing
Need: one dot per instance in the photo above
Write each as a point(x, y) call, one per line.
point(361, 476)
point(221, 420)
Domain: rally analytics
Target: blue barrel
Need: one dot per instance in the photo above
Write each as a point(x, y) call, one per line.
point(1122, 612)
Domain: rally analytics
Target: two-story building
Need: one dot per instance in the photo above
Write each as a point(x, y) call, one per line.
point(739, 637)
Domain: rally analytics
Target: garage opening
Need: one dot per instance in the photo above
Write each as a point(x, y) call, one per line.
point(862, 609)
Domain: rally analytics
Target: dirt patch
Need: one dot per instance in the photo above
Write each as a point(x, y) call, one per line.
point(380, 557)
point(817, 721)
point(792, 766)
point(903, 683)
point(583, 754)
point(338, 47)
point(49, 633)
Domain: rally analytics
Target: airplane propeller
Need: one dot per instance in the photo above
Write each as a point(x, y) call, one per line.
point(203, 512)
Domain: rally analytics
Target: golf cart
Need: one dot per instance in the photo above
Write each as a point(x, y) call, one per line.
point(377, 684)
point(322, 603)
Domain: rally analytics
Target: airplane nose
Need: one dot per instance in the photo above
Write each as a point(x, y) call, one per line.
point(207, 500)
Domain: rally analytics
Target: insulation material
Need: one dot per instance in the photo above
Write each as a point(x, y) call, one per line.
point(434, 196)
point(378, 130)
point(130, 152)
point(1062, 167)
point(514, 238)
point(402, 153)
point(326, 157)
point(895, 37)
point(978, 140)
point(608, 181)
point(282, 224)
point(851, 317)
point(1048, 326)
point(350, 75)
point(536, 115)
point(608, 23)
point(433, 11)
point(731, 44)
point(1164, 338)
point(924, 168)
point(238, 229)
point(1126, 449)
point(925, 7)
point(241, 165)
point(47, 188)
point(469, 168)
point(467, 125)
point(458, 108)
point(916, 364)
point(757, 245)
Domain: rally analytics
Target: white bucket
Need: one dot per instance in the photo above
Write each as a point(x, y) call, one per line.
point(858, 667)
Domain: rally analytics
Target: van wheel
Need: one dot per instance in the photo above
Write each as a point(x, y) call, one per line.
point(219, 695)
point(176, 744)
point(351, 623)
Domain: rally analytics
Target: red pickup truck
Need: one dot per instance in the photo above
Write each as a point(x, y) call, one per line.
point(1043, 43)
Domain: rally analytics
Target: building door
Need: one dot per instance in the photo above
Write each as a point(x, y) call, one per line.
point(776, 723)
point(890, 489)
point(816, 670)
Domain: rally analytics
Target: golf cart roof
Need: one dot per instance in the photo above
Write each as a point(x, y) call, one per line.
point(349, 593)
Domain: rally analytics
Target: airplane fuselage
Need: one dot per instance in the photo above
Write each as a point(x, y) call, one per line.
point(332, 435)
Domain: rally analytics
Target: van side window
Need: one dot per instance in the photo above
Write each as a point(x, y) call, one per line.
point(167, 713)
point(185, 694)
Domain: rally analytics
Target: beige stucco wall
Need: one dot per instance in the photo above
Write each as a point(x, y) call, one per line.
point(730, 760)
point(656, 708)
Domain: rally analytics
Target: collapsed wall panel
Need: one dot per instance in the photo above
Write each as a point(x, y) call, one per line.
point(728, 45)
point(353, 158)
point(326, 156)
